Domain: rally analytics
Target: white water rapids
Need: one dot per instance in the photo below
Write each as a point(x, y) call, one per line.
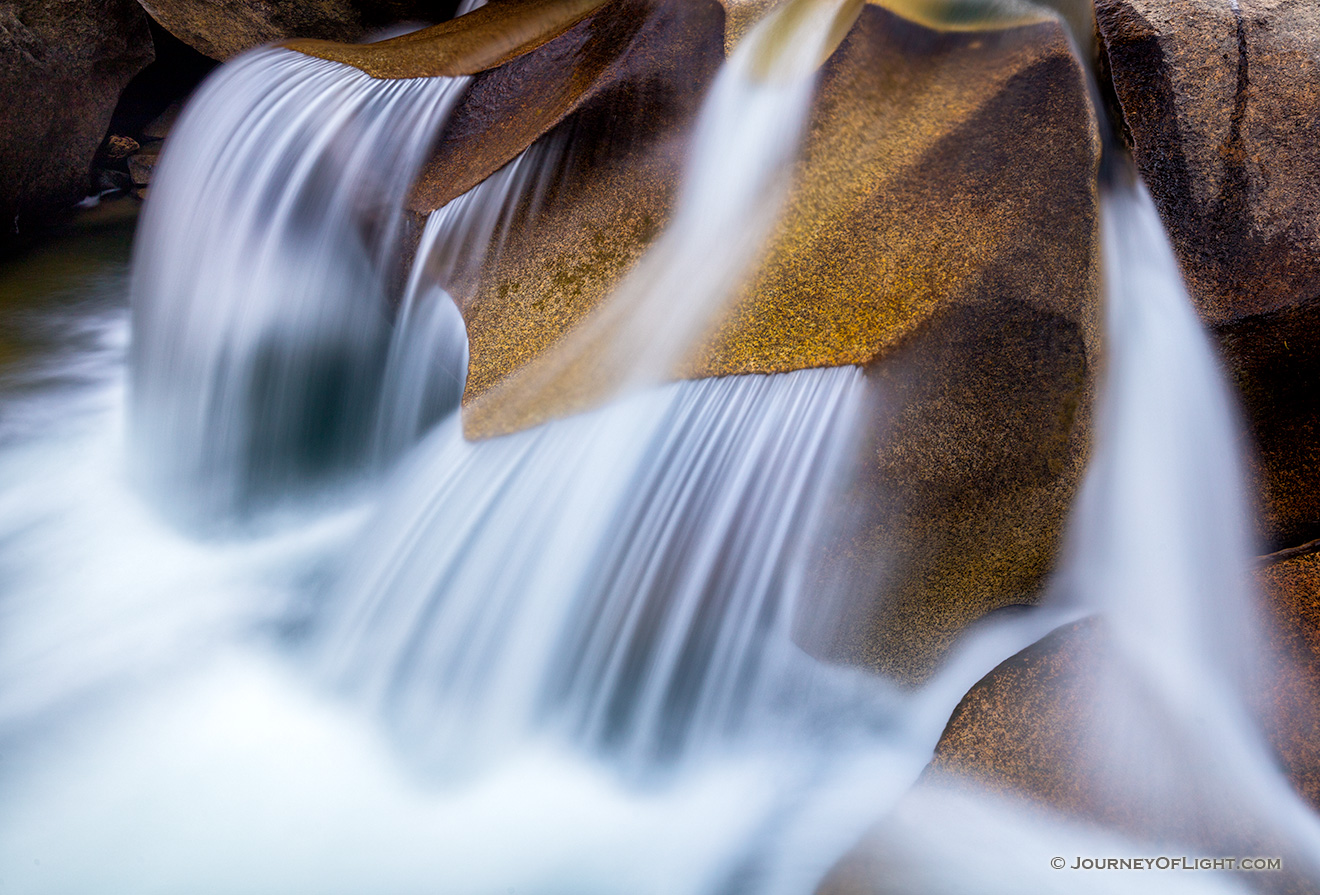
point(555, 662)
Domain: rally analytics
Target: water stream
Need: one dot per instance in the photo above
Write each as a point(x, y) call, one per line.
point(553, 662)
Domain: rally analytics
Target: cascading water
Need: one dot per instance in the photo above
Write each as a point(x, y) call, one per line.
point(618, 582)
point(427, 363)
point(627, 571)
point(267, 255)
point(1161, 548)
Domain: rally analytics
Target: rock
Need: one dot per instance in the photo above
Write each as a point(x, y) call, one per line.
point(483, 39)
point(535, 64)
point(223, 28)
point(142, 164)
point(627, 140)
point(1220, 102)
point(120, 147)
point(1291, 705)
point(159, 127)
point(1024, 750)
point(62, 67)
point(1035, 725)
point(848, 278)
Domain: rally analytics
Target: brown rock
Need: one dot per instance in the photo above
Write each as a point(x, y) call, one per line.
point(1291, 705)
point(159, 127)
point(223, 28)
point(622, 58)
point(63, 64)
point(1030, 727)
point(142, 164)
point(1038, 725)
point(120, 147)
point(848, 278)
point(1221, 104)
point(483, 39)
point(628, 141)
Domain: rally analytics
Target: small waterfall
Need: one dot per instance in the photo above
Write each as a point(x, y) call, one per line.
point(427, 366)
point(626, 573)
point(615, 585)
point(1161, 548)
point(263, 270)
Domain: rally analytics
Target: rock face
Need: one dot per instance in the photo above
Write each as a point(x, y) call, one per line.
point(1292, 704)
point(485, 38)
point(63, 64)
point(1220, 102)
point(223, 28)
point(1030, 726)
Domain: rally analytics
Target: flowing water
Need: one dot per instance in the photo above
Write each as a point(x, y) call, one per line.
point(271, 248)
point(554, 662)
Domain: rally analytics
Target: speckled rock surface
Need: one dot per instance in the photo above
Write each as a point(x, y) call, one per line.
point(895, 138)
point(1030, 726)
point(1292, 702)
point(62, 67)
point(223, 28)
point(1221, 104)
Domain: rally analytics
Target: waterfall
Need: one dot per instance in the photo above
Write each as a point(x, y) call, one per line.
point(628, 573)
point(427, 362)
point(1161, 549)
point(264, 267)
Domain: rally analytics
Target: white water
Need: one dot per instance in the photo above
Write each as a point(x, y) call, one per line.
point(270, 247)
point(427, 362)
point(164, 728)
point(1161, 548)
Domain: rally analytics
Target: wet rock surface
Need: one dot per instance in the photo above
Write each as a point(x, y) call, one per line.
point(1220, 102)
point(223, 28)
point(1032, 727)
point(63, 65)
point(1036, 728)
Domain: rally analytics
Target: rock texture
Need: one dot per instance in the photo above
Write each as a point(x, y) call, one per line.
point(848, 278)
point(223, 28)
point(1220, 101)
point(1292, 702)
point(1032, 726)
point(483, 39)
point(63, 64)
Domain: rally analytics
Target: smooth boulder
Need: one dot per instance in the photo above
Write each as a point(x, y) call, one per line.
point(941, 231)
point(63, 65)
point(221, 29)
